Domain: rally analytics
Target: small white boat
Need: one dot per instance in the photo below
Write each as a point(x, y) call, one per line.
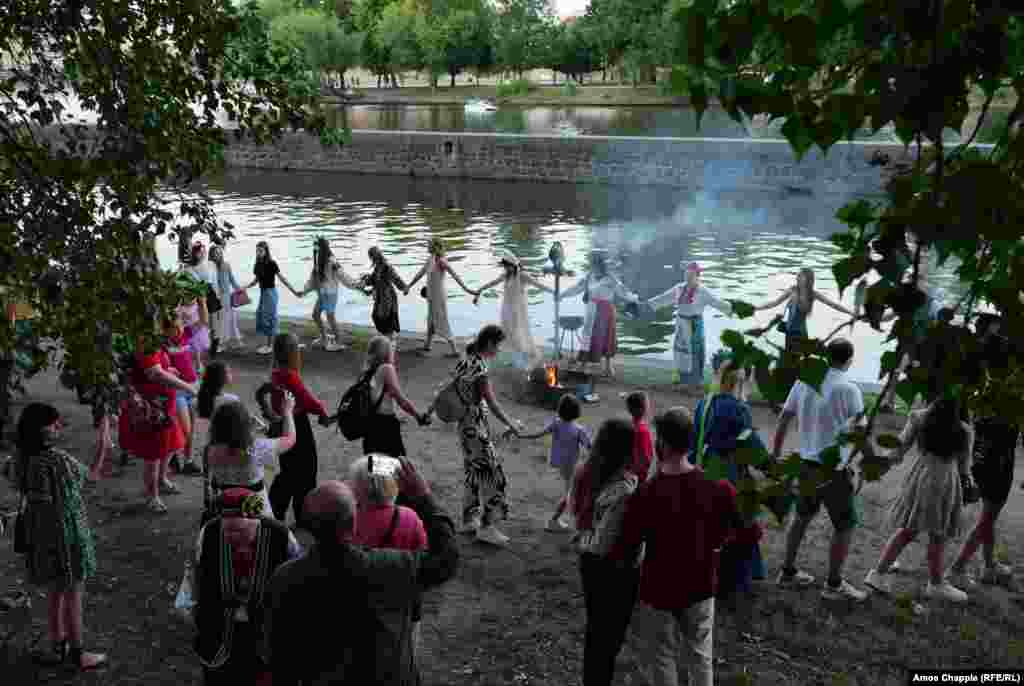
point(477, 105)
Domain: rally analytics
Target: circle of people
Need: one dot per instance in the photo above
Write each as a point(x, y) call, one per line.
point(657, 541)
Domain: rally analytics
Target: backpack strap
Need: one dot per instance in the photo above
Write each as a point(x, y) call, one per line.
point(369, 377)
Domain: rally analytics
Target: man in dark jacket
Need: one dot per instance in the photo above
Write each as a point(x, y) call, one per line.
point(341, 614)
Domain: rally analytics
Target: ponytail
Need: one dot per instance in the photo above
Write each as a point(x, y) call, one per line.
point(214, 380)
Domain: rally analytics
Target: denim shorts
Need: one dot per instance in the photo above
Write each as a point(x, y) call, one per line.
point(327, 301)
point(183, 401)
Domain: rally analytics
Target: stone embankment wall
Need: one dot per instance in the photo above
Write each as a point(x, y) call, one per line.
point(693, 163)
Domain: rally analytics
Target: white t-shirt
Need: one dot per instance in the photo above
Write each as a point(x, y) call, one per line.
point(822, 417)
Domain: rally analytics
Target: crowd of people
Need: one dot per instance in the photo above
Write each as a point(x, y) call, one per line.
point(658, 542)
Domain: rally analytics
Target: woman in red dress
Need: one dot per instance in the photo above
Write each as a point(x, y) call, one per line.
point(155, 378)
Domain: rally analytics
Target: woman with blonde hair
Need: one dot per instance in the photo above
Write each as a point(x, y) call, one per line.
point(384, 434)
point(515, 320)
point(435, 269)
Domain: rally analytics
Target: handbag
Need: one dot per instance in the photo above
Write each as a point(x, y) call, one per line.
point(449, 405)
point(184, 601)
point(213, 303)
point(22, 545)
point(144, 415)
point(240, 299)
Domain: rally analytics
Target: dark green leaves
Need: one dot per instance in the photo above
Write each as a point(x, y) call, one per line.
point(798, 136)
point(741, 310)
point(813, 371)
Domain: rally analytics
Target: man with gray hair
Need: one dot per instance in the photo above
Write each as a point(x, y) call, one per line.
point(342, 614)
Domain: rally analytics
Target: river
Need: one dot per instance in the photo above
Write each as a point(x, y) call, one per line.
point(750, 244)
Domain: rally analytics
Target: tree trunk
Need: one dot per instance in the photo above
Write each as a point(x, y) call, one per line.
point(453, 79)
point(378, 81)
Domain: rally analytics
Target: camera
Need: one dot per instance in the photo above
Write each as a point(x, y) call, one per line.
point(382, 465)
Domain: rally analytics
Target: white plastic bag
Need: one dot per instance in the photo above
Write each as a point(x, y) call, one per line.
point(184, 603)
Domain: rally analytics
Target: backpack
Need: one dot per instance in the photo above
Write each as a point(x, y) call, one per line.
point(357, 407)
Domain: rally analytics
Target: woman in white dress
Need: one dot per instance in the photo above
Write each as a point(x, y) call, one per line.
point(435, 269)
point(689, 346)
point(515, 320)
point(225, 321)
point(600, 290)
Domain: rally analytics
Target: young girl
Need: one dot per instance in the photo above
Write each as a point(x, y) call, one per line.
point(325, 278)
point(567, 435)
point(183, 352)
point(267, 272)
point(932, 495)
point(435, 269)
point(216, 377)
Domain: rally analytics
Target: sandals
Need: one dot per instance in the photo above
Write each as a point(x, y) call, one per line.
point(83, 661)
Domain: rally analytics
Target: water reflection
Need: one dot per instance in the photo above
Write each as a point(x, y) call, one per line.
point(596, 121)
point(751, 244)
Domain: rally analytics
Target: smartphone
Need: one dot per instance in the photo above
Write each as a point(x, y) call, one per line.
point(382, 465)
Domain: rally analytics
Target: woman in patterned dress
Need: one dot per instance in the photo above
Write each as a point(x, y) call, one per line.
point(62, 553)
point(485, 499)
point(382, 281)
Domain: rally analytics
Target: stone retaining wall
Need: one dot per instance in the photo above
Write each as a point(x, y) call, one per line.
point(694, 163)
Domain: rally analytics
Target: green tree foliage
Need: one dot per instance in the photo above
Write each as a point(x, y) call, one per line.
point(375, 57)
point(396, 32)
point(519, 35)
point(572, 50)
point(325, 45)
point(461, 40)
point(830, 67)
point(80, 207)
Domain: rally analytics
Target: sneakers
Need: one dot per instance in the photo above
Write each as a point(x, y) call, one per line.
point(264, 350)
point(844, 591)
point(962, 579)
point(800, 579)
point(470, 526)
point(997, 575)
point(944, 591)
point(332, 347)
point(895, 567)
point(878, 582)
point(169, 488)
point(489, 534)
point(156, 506)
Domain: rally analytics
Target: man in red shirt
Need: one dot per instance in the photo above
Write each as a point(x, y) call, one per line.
point(683, 518)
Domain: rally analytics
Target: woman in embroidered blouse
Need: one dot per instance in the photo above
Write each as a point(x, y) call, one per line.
point(236, 458)
point(600, 289)
point(63, 554)
point(382, 281)
point(435, 269)
point(515, 320)
point(602, 487)
point(326, 278)
point(689, 347)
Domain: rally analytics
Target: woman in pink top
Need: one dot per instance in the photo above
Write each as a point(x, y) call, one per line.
point(380, 523)
point(181, 349)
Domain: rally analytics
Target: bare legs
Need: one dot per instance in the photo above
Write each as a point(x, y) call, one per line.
point(185, 421)
point(982, 535)
point(65, 619)
point(104, 448)
point(838, 552)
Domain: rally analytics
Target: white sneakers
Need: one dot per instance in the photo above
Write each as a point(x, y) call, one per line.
point(470, 526)
point(944, 591)
point(333, 347)
point(557, 525)
point(844, 591)
point(489, 534)
point(264, 350)
point(997, 575)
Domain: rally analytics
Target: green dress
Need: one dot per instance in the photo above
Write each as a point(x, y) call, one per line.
point(62, 553)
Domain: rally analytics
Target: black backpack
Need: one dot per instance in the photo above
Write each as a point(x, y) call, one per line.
point(357, 407)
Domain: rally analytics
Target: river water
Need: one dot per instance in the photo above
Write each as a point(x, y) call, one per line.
point(750, 244)
point(569, 121)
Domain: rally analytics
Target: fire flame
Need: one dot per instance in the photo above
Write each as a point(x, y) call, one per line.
point(551, 371)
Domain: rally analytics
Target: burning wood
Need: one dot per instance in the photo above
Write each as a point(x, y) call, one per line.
point(551, 375)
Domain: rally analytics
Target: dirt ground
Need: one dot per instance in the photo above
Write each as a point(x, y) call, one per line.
point(513, 616)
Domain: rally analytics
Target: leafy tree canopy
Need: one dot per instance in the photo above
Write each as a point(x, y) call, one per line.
point(165, 84)
point(831, 67)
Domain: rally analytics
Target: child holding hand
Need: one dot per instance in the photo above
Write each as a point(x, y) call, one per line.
point(567, 435)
